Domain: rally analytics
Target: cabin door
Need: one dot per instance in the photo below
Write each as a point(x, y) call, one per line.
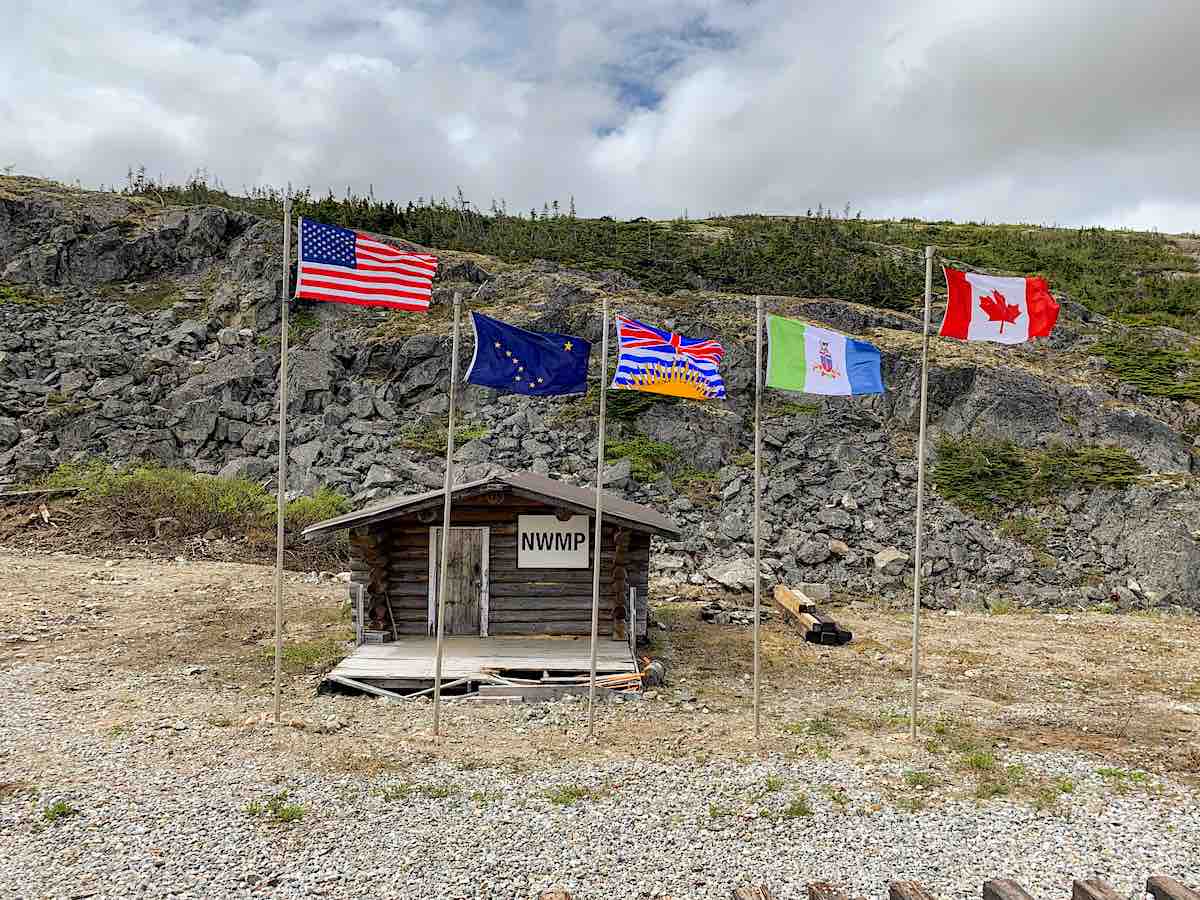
point(466, 581)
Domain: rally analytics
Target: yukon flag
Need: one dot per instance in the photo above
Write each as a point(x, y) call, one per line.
point(1004, 310)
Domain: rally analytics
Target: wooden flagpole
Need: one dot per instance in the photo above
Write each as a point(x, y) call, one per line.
point(596, 542)
point(916, 623)
point(449, 488)
point(758, 323)
point(281, 491)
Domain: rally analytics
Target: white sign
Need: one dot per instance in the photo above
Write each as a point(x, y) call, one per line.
point(547, 542)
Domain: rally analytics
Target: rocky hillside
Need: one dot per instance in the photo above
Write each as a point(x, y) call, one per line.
point(1063, 473)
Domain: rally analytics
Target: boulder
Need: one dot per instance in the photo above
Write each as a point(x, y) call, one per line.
point(891, 561)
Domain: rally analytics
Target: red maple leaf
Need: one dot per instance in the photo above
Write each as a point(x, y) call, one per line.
point(998, 309)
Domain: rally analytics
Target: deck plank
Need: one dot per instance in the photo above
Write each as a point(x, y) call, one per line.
point(413, 657)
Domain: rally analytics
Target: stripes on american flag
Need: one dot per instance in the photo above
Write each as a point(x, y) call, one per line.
point(338, 265)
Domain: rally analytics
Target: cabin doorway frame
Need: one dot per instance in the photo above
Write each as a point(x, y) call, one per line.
point(435, 547)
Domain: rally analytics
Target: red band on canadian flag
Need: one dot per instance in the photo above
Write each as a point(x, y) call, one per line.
point(1005, 310)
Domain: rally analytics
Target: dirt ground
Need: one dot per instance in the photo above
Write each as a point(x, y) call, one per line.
point(142, 644)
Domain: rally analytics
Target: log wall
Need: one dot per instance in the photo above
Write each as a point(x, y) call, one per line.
point(392, 559)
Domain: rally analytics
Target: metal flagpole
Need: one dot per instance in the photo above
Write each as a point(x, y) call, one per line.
point(442, 566)
point(758, 322)
point(281, 491)
point(916, 624)
point(596, 544)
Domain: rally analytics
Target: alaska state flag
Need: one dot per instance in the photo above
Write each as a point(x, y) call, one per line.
point(665, 362)
point(803, 357)
point(537, 363)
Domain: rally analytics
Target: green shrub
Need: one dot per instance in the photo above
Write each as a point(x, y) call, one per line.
point(568, 794)
point(275, 808)
point(59, 810)
point(1155, 371)
point(647, 457)
point(430, 436)
point(987, 476)
point(305, 511)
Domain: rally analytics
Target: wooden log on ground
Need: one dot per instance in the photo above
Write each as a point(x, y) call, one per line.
point(1093, 889)
point(1004, 889)
point(752, 892)
point(823, 890)
point(908, 890)
point(1164, 888)
point(792, 603)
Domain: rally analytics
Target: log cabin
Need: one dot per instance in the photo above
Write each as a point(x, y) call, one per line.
point(518, 586)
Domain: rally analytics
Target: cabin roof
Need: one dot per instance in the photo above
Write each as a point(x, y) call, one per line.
point(524, 484)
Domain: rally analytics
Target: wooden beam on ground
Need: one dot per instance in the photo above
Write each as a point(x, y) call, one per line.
point(1164, 888)
point(823, 890)
point(1093, 889)
point(1004, 889)
point(752, 892)
point(908, 890)
point(793, 603)
point(364, 687)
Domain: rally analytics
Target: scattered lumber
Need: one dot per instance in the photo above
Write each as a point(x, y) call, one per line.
point(752, 892)
point(1093, 889)
point(908, 890)
point(823, 890)
point(1164, 888)
point(1004, 889)
point(801, 609)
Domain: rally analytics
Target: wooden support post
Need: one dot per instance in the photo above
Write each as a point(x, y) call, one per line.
point(908, 890)
point(823, 890)
point(1164, 888)
point(1004, 889)
point(1093, 889)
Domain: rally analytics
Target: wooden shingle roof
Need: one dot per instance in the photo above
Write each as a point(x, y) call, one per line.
point(578, 499)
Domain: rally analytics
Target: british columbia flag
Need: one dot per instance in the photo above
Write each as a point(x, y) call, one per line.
point(666, 362)
point(338, 265)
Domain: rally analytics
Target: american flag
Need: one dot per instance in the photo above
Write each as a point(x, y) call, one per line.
point(343, 266)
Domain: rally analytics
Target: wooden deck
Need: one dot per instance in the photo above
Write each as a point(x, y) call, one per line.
point(409, 661)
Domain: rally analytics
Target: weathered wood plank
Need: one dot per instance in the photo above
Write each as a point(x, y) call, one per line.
point(823, 890)
point(1004, 889)
point(1165, 888)
point(1093, 889)
point(908, 890)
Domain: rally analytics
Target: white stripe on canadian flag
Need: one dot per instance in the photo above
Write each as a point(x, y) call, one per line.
point(1004, 310)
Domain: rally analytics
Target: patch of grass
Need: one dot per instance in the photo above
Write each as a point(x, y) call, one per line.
point(910, 804)
point(305, 511)
point(744, 460)
point(822, 726)
point(719, 810)
point(647, 457)
point(318, 655)
point(988, 477)
point(1000, 606)
point(1025, 529)
point(838, 795)
point(301, 324)
point(486, 798)
point(780, 407)
point(569, 794)
point(23, 295)
point(1156, 371)
point(58, 811)
point(233, 507)
point(979, 761)
point(625, 406)
point(276, 808)
point(159, 295)
point(1123, 780)
point(798, 808)
point(430, 436)
point(918, 779)
point(772, 784)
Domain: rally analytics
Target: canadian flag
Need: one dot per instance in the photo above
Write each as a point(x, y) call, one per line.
point(1004, 310)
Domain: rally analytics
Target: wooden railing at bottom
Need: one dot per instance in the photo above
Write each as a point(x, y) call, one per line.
point(1160, 886)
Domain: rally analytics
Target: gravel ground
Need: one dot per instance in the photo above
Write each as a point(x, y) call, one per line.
point(164, 813)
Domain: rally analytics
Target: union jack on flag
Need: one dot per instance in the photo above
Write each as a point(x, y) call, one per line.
point(338, 265)
point(665, 362)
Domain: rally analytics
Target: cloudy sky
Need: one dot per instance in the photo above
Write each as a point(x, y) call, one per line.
point(1070, 112)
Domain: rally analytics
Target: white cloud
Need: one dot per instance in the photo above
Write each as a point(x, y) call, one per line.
point(1077, 112)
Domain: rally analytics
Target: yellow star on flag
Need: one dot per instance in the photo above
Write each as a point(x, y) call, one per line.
point(567, 346)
